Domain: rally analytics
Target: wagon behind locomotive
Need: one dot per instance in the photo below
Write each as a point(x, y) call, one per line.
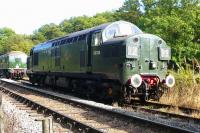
point(13, 64)
point(105, 61)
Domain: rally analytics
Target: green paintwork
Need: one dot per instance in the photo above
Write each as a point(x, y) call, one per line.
point(110, 57)
point(148, 51)
point(13, 60)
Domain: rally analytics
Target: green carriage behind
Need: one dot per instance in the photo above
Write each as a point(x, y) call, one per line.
point(13, 64)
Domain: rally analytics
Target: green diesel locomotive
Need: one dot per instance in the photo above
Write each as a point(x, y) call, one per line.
point(13, 64)
point(113, 60)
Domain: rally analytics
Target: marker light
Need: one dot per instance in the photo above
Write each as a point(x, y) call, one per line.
point(136, 80)
point(170, 81)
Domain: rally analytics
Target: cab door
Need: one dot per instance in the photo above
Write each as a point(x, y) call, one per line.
point(96, 39)
point(148, 56)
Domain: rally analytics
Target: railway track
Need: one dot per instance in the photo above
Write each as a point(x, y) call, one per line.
point(158, 108)
point(168, 110)
point(148, 103)
point(123, 120)
point(168, 114)
point(183, 109)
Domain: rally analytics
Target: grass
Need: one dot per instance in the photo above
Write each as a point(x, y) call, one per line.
point(186, 92)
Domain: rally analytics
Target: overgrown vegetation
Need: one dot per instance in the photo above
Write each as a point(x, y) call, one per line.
point(186, 92)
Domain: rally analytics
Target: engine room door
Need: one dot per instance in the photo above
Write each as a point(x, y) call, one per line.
point(83, 56)
point(85, 64)
point(148, 56)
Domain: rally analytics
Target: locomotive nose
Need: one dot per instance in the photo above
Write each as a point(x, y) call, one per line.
point(148, 54)
point(144, 47)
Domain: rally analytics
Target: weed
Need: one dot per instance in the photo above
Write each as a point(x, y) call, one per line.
point(186, 92)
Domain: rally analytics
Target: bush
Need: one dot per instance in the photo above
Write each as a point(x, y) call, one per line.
point(186, 92)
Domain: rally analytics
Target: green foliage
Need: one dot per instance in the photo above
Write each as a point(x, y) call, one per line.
point(186, 92)
point(19, 43)
point(47, 32)
point(176, 21)
point(10, 41)
point(76, 24)
point(5, 33)
point(38, 37)
point(83, 22)
point(130, 11)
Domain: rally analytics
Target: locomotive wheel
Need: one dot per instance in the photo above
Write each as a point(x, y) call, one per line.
point(125, 96)
point(90, 89)
point(159, 92)
point(144, 97)
point(32, 80)
point(8, 75)
point(41, 81)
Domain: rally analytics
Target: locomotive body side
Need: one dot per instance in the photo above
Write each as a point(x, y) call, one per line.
point(108, 61)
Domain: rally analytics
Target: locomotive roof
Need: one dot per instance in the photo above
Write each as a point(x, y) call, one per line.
point(74, 34)
point(86, 31)
point(115, 40)
point(101, 27)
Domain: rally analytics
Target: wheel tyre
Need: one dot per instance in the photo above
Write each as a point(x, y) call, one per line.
point(144, 98)
point(158, 94)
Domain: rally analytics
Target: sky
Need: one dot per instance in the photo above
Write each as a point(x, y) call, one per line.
point(26, 16)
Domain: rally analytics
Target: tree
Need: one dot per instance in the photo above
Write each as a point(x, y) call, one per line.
point(5, 33)
point(176, 21)
point(47, 32)
point(130, 11)
point(10, 41)
point(83, 22)
point(18, 43)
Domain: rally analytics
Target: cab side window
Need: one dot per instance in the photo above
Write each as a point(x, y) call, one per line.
point(96, 39)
